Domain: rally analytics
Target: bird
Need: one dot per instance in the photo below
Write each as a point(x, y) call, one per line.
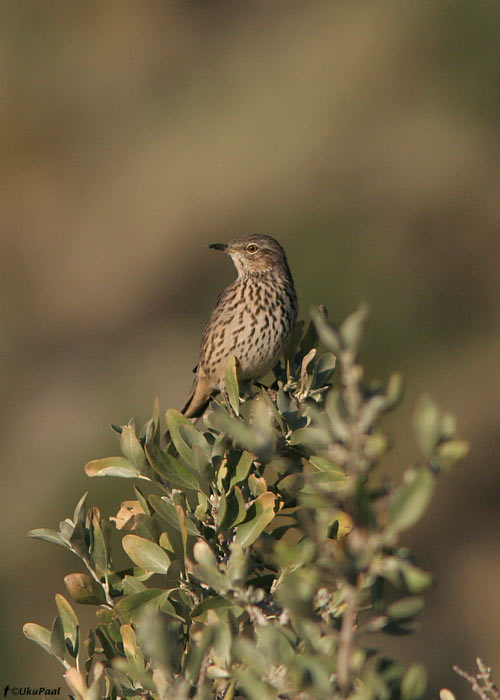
point(252, 319)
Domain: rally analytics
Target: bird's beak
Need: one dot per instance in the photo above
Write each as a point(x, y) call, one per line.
point(218, 246)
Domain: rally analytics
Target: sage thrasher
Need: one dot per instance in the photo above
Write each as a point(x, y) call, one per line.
point(252, 318)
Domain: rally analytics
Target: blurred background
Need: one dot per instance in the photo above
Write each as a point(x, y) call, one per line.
point(363, 135)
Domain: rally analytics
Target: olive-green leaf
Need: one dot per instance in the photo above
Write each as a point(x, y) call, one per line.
point(130, 607)
point(142, 500)
point(290, 486)
point(232, 510)
point(452, 451)
point(411, 499)
point(352, 328)
point(406, 608)
point(315, 437)
point(79, 512)
point(69, 621)
point(334, 407)
point(242, 469)
point(427, 424)
point(236, 567)
point(416, 579)
point(57, 642)
point(329, 336)
point(207, 570)
point(394, 390)
point(38, 634)
point(132, 650)
point(325, 465)
point(113, 466)
point(259, 516)
point(48, 535)
point(132, 448)
point(414, 682)
point(169, 513)
point(211, 603)
point(231, 381)
point(146, 554)
point(323, 369)
point(173, 470)
point(185, 436)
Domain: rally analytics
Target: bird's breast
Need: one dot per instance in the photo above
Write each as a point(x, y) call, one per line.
point(252, 323)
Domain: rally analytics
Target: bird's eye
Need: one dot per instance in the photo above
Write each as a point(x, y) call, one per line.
point(252, 248)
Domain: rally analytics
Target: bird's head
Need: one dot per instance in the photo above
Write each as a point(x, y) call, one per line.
point(254, 255)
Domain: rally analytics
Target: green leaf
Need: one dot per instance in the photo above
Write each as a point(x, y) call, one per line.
point(290, 486)
point(288, 409)
point(206, 568)
point(131, 648)
point(406, 608)
point(48, 535)
point(236, 567)
point(309, 339)
point(113, 466)
point(212, 603)
point(172, 469)
point(132, 448)
point(231, 382)
point(244, 435)
point(352, 328)
point(335, 411)
point(315, 437)
point(146, 554)
point(185, 436)
point(394, 392)
point(169, 513)
point(121, 682)
point(451, 452)
point(258, 517)
point(69, 622)
point(151, 429)
point(38, 634)
point(329, 336)
point(57, 642)
point(414, 682)
point(233, 510)
point(427, 425)
point(79, 512)
point(411, 499)
point(324, 465)
point(415, 579)
point(131, 585)
point(131, 607)
point(323, 370)
point(242, 469)
point(142, 500)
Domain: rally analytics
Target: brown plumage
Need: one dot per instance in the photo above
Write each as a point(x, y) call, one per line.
point(252, 318)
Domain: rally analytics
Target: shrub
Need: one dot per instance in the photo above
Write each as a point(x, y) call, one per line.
point(263, 552)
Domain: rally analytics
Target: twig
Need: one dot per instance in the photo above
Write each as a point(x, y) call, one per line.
point(481, 683)
point(346, 640)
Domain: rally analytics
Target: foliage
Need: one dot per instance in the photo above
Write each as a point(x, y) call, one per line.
point(263, 554)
